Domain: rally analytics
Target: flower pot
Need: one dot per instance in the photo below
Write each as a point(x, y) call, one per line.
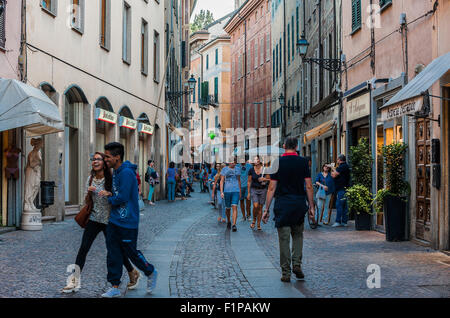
point(395, 218)
point(363, 221)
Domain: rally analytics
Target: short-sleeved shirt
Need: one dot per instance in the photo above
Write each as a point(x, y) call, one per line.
point(255, 182)
point(171, 172)
point(291, 175)
point(343, 180)
point(231, 179)
point(244, 174)
point(328, 181)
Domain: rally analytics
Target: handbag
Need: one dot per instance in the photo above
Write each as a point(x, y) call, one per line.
point(82, 217)
point(141, 204)
point(321, 194)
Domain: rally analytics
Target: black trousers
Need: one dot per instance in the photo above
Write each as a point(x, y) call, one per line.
point(122, 244)
point(90, 233)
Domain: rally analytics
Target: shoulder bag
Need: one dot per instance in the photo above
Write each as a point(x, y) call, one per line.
point(82, 217)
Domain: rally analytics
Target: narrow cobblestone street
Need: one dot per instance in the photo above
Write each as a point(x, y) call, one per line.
point(197, 257)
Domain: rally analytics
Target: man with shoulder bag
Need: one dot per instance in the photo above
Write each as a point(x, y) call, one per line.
point(287, 185)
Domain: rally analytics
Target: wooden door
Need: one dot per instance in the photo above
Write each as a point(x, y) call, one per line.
point(423, 168)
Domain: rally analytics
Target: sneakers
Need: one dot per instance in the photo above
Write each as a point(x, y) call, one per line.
point(73, 286)
point(113, 292)
point(234, 228)
point(344, 224)
point(336, 224)
point(286, 278)
point(151, 282)
point(134, 279)
point(297, 270)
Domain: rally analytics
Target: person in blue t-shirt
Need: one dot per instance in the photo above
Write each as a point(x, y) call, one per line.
point(245, 202)
point(122, 229)
point(230, 191)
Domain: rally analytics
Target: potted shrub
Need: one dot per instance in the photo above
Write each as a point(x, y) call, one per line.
point(359, 201)
point(358, 196)
point(392, 199)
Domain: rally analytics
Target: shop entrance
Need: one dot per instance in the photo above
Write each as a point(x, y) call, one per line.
point(74, 106)
point(423, 168)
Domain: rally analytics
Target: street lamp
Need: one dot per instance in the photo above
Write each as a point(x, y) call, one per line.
point(282, 100)
point(192, 82)
point(332, 65)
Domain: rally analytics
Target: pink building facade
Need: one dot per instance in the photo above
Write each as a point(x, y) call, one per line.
point(10, 34)
point(386, 45)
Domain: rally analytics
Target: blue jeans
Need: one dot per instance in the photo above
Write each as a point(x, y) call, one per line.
point(323, 204)
point(341, 208)
point(150, 193)
point(120, 243)
point(171, 190)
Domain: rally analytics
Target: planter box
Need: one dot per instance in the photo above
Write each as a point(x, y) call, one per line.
point(395, 218)
point(363, 221)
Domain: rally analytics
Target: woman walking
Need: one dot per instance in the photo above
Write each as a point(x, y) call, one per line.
point(230, 191)
point(99, 180)
point(216, 194)
point(258, 184)
point(326, 184)
point(171, 181)
point(151, 181)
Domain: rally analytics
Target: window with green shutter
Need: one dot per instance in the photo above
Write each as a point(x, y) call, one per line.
point(384, 3)
point(356, 15)
point(204, 93)
point(216, 90)
point(217, 56)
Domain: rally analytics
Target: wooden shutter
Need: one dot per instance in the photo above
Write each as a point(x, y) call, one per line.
point(2, 25)
point(356, 14)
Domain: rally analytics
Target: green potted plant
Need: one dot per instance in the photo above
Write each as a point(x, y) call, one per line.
point(359, 201)
point(358, 195)
point(392, 199)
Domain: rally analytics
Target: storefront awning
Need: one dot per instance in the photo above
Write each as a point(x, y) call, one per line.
point(423, 81)
point(319, 130)
point(22, 105)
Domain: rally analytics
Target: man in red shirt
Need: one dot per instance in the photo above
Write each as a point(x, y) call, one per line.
point(291, 185)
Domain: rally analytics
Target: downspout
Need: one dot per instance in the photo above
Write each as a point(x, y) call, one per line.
point(283, 112)
point(320, 52)
point(245, 74)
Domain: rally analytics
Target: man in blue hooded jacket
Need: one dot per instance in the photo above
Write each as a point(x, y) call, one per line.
point(122, 229)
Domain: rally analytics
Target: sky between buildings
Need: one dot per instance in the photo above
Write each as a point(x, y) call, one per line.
point(219, 8)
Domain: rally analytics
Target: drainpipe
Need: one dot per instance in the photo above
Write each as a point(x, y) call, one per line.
point(283, 112)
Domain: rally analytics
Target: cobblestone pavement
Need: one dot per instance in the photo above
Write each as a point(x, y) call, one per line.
point(33, 264)
point(207, 266)
point(335, 262)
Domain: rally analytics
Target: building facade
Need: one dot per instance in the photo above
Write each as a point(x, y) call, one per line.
point(107, 87)
point(310, 110)
point(11, 67)
point(251, 66)
point(387, 45)
point(210, 103)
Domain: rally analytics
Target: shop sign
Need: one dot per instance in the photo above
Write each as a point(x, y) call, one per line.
point(402, 108)
point(106, 116)
point(358, 107)
point(145, 128)
point(128, 123)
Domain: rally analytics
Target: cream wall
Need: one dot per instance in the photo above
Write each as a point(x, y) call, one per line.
point(64, 58)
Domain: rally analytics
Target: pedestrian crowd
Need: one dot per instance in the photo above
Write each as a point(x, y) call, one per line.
point(114, 200)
